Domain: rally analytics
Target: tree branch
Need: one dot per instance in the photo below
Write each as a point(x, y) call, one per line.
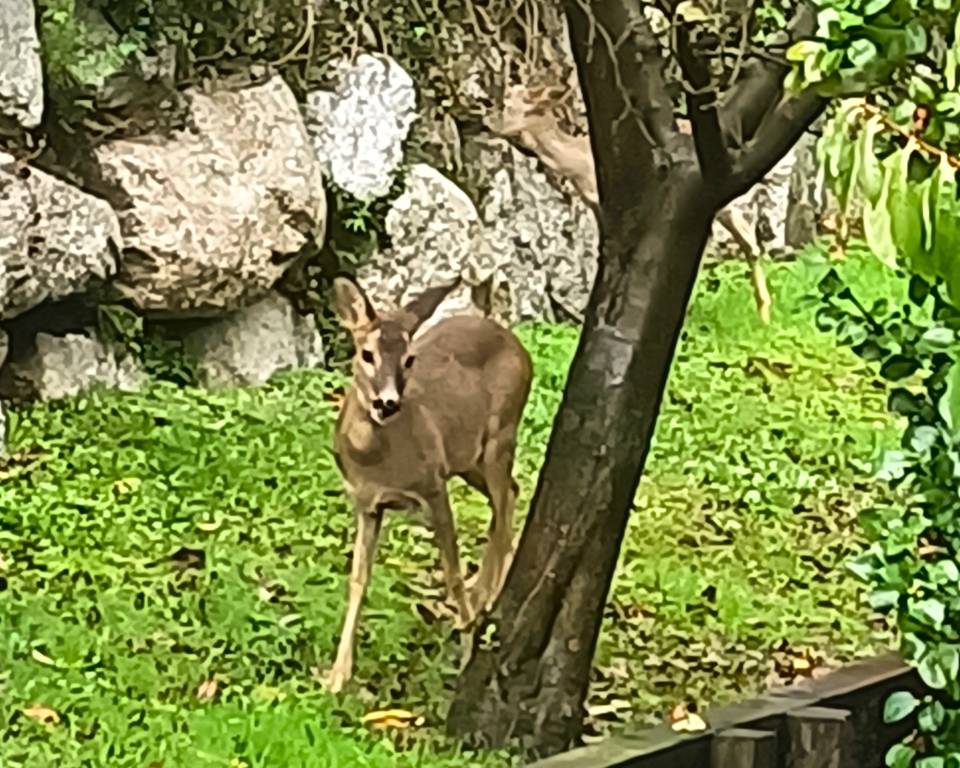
point(631, 114)
point(759, 121)
point(702, 107)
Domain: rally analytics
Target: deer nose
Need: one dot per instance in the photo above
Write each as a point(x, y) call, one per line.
point(387, 406)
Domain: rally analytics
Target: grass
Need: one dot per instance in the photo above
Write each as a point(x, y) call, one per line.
point(172, 563)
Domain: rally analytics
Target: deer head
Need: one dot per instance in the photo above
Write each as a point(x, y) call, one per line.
point(383, 360)
point(528, 117)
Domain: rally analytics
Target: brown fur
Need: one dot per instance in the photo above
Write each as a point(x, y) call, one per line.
point(462, 387)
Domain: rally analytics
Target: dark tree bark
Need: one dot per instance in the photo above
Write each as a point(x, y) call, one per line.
point(528, 676)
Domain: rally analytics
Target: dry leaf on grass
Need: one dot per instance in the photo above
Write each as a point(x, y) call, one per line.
point(42, 714)
point(682, 720)
point(207, 690)
point(392, 718)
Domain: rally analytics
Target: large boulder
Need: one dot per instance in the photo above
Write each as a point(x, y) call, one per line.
point(214, 214)
point(528, 253)
point(541, 233)
point(436, 237)
point(67, 366)
point(783, 210)
point(54, 238)
point(21, 74)
point(248, 346)
point(358, 129)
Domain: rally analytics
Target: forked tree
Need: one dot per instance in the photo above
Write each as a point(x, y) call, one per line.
point(659, 189)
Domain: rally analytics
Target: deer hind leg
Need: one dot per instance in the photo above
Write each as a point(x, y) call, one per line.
point(445, 534)
point(364, 552)
point(502, 492)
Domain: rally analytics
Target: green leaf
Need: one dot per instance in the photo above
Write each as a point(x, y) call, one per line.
point(949, 405)
point(898, 367)
point(877, 225)
point(873, 7)
point(931, 717)
point(900, 756)
point(802, 50)
point(930, 762)
point(898, 706)
point(862, 53)
point(883, 599)
point(930, 611)
point(940, 666)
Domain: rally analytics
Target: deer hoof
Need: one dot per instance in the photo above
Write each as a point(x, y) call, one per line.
point(336, 680)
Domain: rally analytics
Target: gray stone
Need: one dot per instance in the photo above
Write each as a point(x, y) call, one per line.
point(21, 74)
point(541, 233)
point(54, 238)
point(66, 366)
point(248, 346)
point(213, 215)
point(359, 129)
point(436, 237)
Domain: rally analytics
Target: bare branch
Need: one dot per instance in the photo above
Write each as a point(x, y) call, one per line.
point(761, 123)
point(631, 114)
point(702, 107)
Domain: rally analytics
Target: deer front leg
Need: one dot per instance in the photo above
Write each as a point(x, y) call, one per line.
point(445, 534)
point(364, 551)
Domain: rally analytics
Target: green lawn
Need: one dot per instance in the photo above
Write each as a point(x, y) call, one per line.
point(161, 540)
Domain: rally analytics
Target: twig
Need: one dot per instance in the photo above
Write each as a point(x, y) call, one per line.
point(868, 111)
point(304, 38)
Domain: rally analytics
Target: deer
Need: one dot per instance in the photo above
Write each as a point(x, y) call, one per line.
point(420, 410)
point(528, 118)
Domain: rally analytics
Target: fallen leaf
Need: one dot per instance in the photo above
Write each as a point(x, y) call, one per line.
point(207, 690)
point(42, 714)
point(692, 723)
point(392, 718)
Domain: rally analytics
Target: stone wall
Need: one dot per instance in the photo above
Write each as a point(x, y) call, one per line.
point(204, 221)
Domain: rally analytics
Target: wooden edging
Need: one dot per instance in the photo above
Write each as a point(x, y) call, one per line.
point(835, 722)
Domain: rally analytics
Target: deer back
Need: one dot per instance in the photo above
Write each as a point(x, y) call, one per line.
point(471, 377)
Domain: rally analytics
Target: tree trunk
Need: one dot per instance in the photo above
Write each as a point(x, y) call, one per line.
point(530, 669)
point(659, 190)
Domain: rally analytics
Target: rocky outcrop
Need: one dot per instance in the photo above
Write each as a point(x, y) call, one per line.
point(213, 215)
point(528, 252)
point(66, 366)
point(248, 346)
point(542, 235)
point(21, 74)
point(54, 239)
point(358, 130)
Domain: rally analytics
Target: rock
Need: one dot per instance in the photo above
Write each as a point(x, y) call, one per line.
point(214, 214)
point(783, 210)
point(21, 73)
point(54, 238)
point(543, 235)
point(250, 345)
point(436, 237)
point(358, 130)
point(529, 253)
point(66, 366)
point(4, 345)
point(805, 195)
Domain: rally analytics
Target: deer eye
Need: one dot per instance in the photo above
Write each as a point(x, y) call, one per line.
point(367, 356)
point(408, 362)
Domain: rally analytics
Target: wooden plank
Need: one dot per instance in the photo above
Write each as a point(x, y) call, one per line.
point(818, 737)
point(744, 748)
point(657, 747)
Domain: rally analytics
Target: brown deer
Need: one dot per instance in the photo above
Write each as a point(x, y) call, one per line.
point(528, 118)
point(420, 411)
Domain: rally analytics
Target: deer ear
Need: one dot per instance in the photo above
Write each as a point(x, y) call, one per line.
point(351, 304)
point(418, 311)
